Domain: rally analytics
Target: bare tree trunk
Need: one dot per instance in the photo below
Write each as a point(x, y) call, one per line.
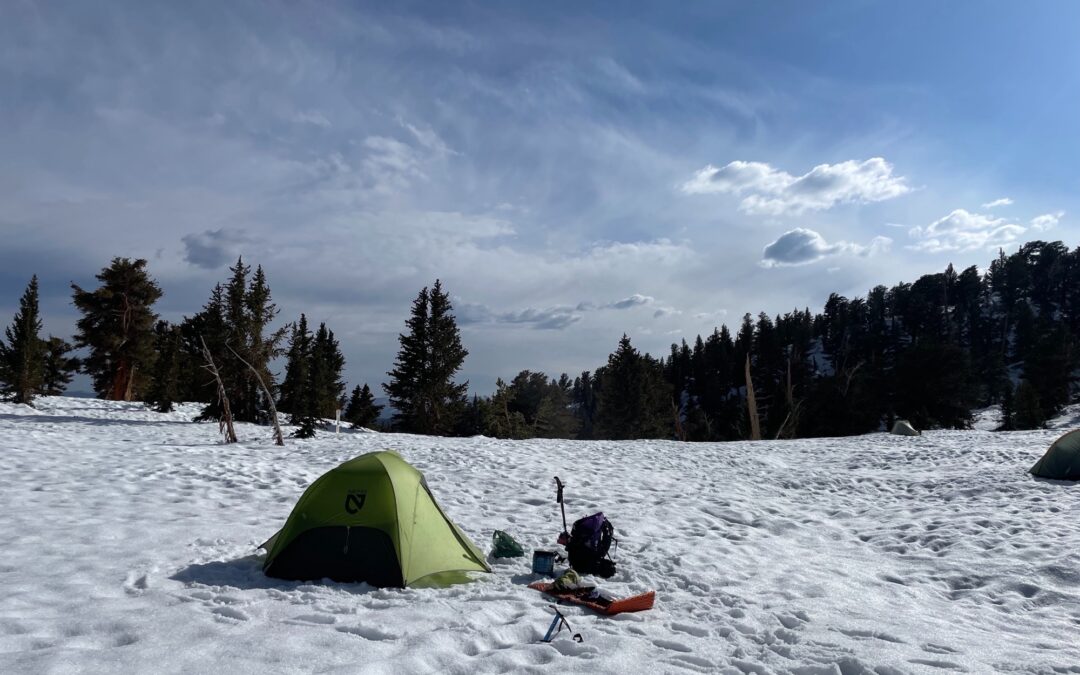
point(278, 438)
point(791, 420)
point(751, 405)
point(119, 383)
point(225, 424)
point(680, 433)
point(131, 382)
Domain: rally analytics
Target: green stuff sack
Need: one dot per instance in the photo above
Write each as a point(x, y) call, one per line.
point(504, 546)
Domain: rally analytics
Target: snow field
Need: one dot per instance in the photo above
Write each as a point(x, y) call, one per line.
point(131, 535)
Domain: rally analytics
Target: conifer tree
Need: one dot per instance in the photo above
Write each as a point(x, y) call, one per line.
point(22, 356)
point(208, 325)
point(164, 389)
point(235, 320)
point(59, 368)
point(117, 326)
point(633, 401)
point(297, 368)
point(361, 410)
point(327, 362)
point(1029, 411)
point(421, 388)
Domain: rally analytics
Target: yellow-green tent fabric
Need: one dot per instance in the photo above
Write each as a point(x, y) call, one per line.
point(371, 519)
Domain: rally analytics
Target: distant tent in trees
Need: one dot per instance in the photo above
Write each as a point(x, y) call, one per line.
point(1062, 459)
point(904, 428)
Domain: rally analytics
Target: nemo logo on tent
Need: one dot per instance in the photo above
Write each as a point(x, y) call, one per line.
point(354, 501)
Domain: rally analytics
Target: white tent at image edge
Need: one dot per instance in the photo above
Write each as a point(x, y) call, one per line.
point(131, 548)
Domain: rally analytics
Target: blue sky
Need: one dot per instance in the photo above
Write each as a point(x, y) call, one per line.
point(571, 171)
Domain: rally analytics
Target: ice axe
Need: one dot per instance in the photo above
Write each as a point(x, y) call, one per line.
point(564, 538)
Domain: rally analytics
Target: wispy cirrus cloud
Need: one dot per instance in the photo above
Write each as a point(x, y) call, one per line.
point(1004, 201)
point(803, 246)
point(771, 191)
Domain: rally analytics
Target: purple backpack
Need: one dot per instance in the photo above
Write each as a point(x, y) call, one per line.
point(590, 539)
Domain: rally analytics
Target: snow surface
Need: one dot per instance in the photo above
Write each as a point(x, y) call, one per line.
point(130, 547)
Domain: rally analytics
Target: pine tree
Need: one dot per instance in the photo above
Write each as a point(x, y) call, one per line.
point(633, 399)
point(421, 387)
point(235, 321)
point(207, 325)
point(117, 326)
point(59, 368)
point(1029, 412)
point(327, 364)
point(297, 367)
point(361, 410)
point(22, 358)
point(164, 390)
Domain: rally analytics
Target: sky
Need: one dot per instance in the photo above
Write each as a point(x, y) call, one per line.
point(571, 171)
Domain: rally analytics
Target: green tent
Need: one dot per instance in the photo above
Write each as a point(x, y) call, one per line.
point(371, 519)
point(1062, 460)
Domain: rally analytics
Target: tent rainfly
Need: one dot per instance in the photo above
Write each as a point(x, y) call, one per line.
point(371, 519)
point(904, 428)
point(1062, 460)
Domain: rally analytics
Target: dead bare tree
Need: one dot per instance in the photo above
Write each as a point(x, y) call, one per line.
point(751, 405)
point(791, 420)
point(225, 424)
point(680, 433)
point(278, 439)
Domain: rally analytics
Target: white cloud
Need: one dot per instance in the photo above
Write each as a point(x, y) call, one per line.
point(1046, 221)
point(634, 300)
point(1004, 201)
point(774, 192)
point(803, 246)
point(964, 231)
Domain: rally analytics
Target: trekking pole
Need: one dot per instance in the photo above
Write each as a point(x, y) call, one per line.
point(559, 498)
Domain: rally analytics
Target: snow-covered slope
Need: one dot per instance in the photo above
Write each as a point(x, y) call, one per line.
point(129, 546)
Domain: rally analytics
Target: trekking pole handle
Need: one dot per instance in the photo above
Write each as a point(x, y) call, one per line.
point(559, 498)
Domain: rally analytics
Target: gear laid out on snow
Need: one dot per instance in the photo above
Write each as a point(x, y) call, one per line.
point(1062, 459)
point(557, 624)
point(504, 546)
point(590, 596)
point(371, 519)
point(588, 542)
point(543, 562)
